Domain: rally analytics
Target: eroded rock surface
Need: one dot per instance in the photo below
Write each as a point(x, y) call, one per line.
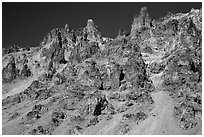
point(84, 83)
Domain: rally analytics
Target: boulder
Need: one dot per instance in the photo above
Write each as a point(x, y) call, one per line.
point(10, 72)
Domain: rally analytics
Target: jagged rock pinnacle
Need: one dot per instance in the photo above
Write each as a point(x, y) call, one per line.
point(66, 27)
point(90, 26)
point(144, 13)
point(140, 22)
point(90, 23)
point(91, 30)
point(78, 81)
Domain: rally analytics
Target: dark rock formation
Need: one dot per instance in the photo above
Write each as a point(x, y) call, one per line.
point(55, 52)
point(93, 105)
point(10, 72)
point(12, 49)
point(25, 72)
point(138, 117)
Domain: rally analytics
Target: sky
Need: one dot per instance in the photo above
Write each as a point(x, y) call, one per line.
point(25, 24)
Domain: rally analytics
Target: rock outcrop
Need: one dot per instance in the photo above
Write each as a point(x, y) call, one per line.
point(10, 72)
point(141, 22)
point(90, 31)
point(12, 49)
point(81, 82)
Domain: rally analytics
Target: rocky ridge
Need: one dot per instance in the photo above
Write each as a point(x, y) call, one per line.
point(83, 80)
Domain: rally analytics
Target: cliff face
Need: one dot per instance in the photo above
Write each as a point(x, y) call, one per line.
point(82, 80)
point(178, 60)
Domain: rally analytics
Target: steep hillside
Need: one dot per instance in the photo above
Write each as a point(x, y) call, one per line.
point(147, 81)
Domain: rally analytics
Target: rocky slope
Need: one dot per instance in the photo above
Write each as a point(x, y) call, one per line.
point(78, 82)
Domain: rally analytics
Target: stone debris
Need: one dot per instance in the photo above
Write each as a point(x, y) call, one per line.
point(83, 81)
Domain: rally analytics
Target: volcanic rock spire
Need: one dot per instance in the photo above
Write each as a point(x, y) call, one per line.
point(91, 31)
point(141, 22)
